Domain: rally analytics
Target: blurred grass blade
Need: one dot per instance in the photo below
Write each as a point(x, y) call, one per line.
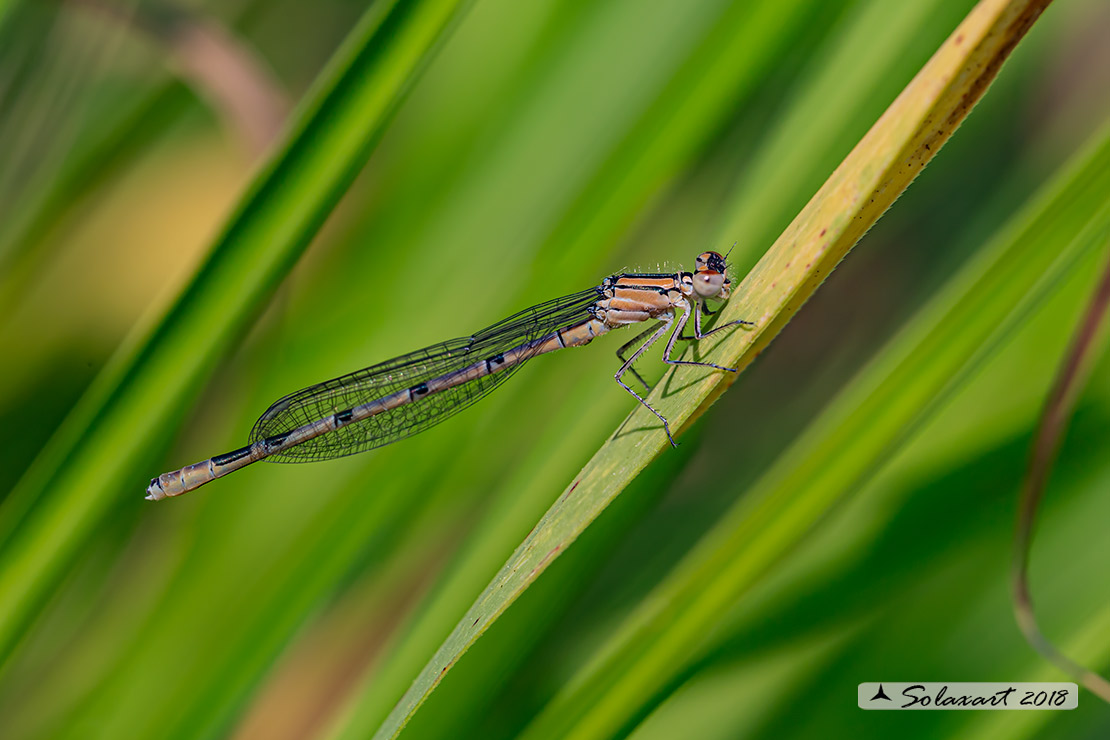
point(680, 621)
point(100, 455)
point(908, 135)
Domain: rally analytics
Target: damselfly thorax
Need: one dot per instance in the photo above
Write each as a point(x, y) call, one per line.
point(387, 402)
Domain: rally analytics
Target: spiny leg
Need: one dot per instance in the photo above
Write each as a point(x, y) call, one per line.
point(658, 333)
point(697, 324)
point(677, 334)
point(629, 343)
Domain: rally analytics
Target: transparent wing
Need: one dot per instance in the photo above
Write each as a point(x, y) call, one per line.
point(332, 396)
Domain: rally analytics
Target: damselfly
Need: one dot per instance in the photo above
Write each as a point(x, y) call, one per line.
point(404, 396)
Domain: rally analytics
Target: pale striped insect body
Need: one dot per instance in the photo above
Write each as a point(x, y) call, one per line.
point(395, 399)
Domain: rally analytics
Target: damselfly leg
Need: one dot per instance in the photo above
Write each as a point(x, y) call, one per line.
point(627, 345)
point(664, 324)
point(697, 324)
point(656, 334)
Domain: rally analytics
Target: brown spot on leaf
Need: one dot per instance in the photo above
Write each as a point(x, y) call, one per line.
point(1012, 35)
point(552, 552)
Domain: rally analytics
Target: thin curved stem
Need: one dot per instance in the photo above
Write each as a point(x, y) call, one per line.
point(1058, 410)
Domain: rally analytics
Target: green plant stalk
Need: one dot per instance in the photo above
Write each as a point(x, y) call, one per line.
point(908, 135)
point(95, 458)
point(680, 622)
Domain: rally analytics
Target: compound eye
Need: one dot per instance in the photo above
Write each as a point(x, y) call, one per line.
point(708, 284)
point(711, 261)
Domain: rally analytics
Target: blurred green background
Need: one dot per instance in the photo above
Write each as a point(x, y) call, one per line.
point(544, 145)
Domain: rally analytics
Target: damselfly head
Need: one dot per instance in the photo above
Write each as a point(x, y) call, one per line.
point(710, 280)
